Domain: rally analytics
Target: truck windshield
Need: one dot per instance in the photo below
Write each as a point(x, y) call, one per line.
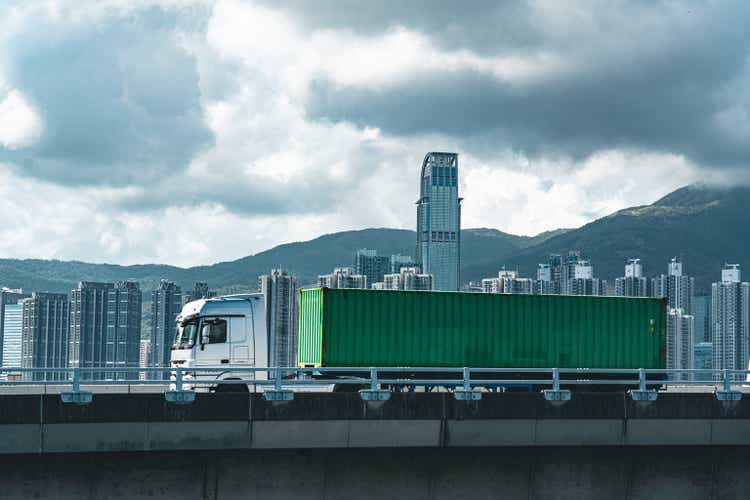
point(186, 333)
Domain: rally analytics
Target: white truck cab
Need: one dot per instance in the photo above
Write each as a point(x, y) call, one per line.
point(227, 333)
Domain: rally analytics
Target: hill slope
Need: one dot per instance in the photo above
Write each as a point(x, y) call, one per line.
point(706, 227)
point(305, 259)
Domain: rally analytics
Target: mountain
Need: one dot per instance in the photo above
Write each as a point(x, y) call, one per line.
point(306, 259)
point(704, 226)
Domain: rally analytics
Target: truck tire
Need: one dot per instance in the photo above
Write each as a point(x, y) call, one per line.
point(231, 388)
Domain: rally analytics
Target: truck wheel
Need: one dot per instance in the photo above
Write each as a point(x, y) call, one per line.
point(231, 388)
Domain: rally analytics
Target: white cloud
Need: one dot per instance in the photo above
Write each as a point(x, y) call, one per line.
point(270, 174)
point(545, 195)
point(20, 125)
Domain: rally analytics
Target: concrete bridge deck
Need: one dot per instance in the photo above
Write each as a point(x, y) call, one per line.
point(34, 424)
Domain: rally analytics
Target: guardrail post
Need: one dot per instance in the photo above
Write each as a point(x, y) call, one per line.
point(643, 394)
point(727, 394)
point(278, 393)
point(76, 395)
point(556, 394)
point(373, 393)
point(466, 393)
point(179, 395)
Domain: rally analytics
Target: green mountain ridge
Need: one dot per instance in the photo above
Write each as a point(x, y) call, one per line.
point(306, 259)
point(704, 226)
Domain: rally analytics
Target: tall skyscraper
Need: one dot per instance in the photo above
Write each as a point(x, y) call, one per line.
point(680, 342)
point(279, 289)
point(730, 308)
point(122, 342)
point(676, 287)
point(342, 277)
point(12, 335)
point(88, 324)
point(44, 334)
point(439, 220)
point(166, 304)
point(8, 296)
point(368, 263)
point(105, 328)
point(633, 284)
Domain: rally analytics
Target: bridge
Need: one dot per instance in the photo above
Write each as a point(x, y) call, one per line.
point(455, 435)
point(414, 445)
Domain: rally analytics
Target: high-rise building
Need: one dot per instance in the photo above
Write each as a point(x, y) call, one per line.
point(123, 336)
point(200, 291)
point(571, 268)
point(398, 261)
point(368, 263)
point(507, 282)
point(279, 289)
point(581, 281)
point(44, 334)
point(680, 342)
point(88, 325)
point(702, 313)
point(439, 220)
point(730, 308)
point(409, 278)
point(105, 328)
point(633, 284)
point(676, 287)
point(144, 358)
point(342, 277)
point(555, 265)
point(11, 346)
point(166, 304)
point(703, 360)
point(544, 284)
point(8, 296)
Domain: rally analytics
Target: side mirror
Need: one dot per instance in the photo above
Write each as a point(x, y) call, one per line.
point(205, 339)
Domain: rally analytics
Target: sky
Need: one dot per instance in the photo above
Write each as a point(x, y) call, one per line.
point(192, 132)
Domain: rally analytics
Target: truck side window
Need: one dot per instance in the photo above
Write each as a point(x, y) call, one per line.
point(214, 331)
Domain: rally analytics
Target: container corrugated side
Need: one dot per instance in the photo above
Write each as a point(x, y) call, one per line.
point(447, 329)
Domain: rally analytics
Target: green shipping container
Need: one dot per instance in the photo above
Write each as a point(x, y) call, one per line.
point(359, 328)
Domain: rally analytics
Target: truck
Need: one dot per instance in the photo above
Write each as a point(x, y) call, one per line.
point(228, 332)
point(418, 329)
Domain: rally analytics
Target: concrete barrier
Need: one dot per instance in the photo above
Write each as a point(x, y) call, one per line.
point(541, 473)
point(146, 422)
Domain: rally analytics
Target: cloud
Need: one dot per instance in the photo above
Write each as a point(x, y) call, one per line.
point(654, 85)
point(194, 132)
point(20, 124)
point(118, 95)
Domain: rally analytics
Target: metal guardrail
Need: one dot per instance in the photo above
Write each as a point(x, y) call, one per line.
point(378, 383)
